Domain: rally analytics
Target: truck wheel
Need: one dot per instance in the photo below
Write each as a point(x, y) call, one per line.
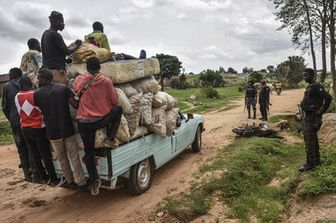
point(197, 143)
point(140, 177)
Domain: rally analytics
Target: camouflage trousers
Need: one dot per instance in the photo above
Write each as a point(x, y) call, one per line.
point(251, 103)
point(312, 124)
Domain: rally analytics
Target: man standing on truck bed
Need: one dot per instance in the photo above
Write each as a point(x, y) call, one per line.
point(32, 60)
point(97, 109)
point(54, 49)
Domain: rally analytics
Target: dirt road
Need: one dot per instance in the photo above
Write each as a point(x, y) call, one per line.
point(26, 202)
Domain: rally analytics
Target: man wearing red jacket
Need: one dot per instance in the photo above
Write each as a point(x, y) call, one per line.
point(97, 109)
point(34, 132)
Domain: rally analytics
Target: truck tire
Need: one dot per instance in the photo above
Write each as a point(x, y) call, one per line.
point(141, 177)
point(197, 143)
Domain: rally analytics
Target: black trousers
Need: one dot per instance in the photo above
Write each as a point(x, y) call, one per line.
point(87, 130)
point(39, 147)
point(25, 162)
point(263, 109)
point(312, 124)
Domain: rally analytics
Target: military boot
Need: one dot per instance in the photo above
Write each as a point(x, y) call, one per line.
point(254, 115)
point(27, 174)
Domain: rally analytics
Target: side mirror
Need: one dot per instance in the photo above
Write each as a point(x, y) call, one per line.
point(189, 116)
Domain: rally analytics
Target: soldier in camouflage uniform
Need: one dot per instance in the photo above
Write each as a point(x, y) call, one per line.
point(251, 99)
point(315, 102)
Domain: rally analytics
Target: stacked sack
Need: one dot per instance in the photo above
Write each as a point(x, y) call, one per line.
point(145, 108)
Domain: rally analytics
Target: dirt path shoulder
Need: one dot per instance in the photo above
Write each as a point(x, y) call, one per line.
point(26, 202)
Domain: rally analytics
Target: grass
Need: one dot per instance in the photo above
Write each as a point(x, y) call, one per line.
point(5, 130)
point(323, 179)
point(202, 104)
point(240, 176)
point(293, 122)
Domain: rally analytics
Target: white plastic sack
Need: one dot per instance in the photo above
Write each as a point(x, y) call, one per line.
point(122, 71)
point(162, 98)
point(146, 85)
point(158, 125)
point(124, 102)
point(123, 134)
point(134, 117)
point(127, 89)
point(140, 131)
point(171, 116)
point(146, 109)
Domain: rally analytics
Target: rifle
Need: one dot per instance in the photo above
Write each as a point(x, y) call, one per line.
point(267, 108)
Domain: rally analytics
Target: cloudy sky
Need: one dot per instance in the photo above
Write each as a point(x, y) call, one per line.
point(201, 33)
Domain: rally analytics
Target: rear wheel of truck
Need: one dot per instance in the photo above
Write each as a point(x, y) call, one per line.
point(197, 143)
point(140, 177)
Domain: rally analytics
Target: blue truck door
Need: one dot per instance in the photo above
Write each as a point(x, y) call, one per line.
point(182, 135)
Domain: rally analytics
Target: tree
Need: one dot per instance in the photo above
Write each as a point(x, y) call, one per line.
point(210, 78)
point(270, 69)
point(169, 65)
point(232, 71)
point(296, 16)
point(291, 71)
point(221, 70)
point(247, 70)
point(256, 76)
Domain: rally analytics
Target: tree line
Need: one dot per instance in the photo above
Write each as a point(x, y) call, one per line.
point(311, 24)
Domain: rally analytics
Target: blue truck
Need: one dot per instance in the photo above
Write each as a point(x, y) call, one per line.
point(134, 162)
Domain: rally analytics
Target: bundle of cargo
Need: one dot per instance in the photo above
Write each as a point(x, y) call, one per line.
point(87, 50)
point(145, 108)
point(121, 71)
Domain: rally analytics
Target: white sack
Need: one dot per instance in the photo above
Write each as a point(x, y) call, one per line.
point(158, 125)
point(162, 98)
point(121, 71)
point(171, 116)
point(146, 109)
point(124, 102)
point(134, 117)
point(123, 134)
point(146, 85)
point(127, 89)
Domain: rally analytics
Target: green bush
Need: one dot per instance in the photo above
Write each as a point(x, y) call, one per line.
point(210, 78)
point(210, 92)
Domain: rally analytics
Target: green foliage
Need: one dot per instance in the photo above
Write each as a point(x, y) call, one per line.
point(209, 92)
point(240, 176)
point(169, 65)
point(5, 130)
point(247, 70)
point(323, 179)
point(290, 71)
point(180, 83)
point(256, 76)
point(211, 78)
point(270, 69)
point(202, 104)
point(293, 122)
point(232, 71)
